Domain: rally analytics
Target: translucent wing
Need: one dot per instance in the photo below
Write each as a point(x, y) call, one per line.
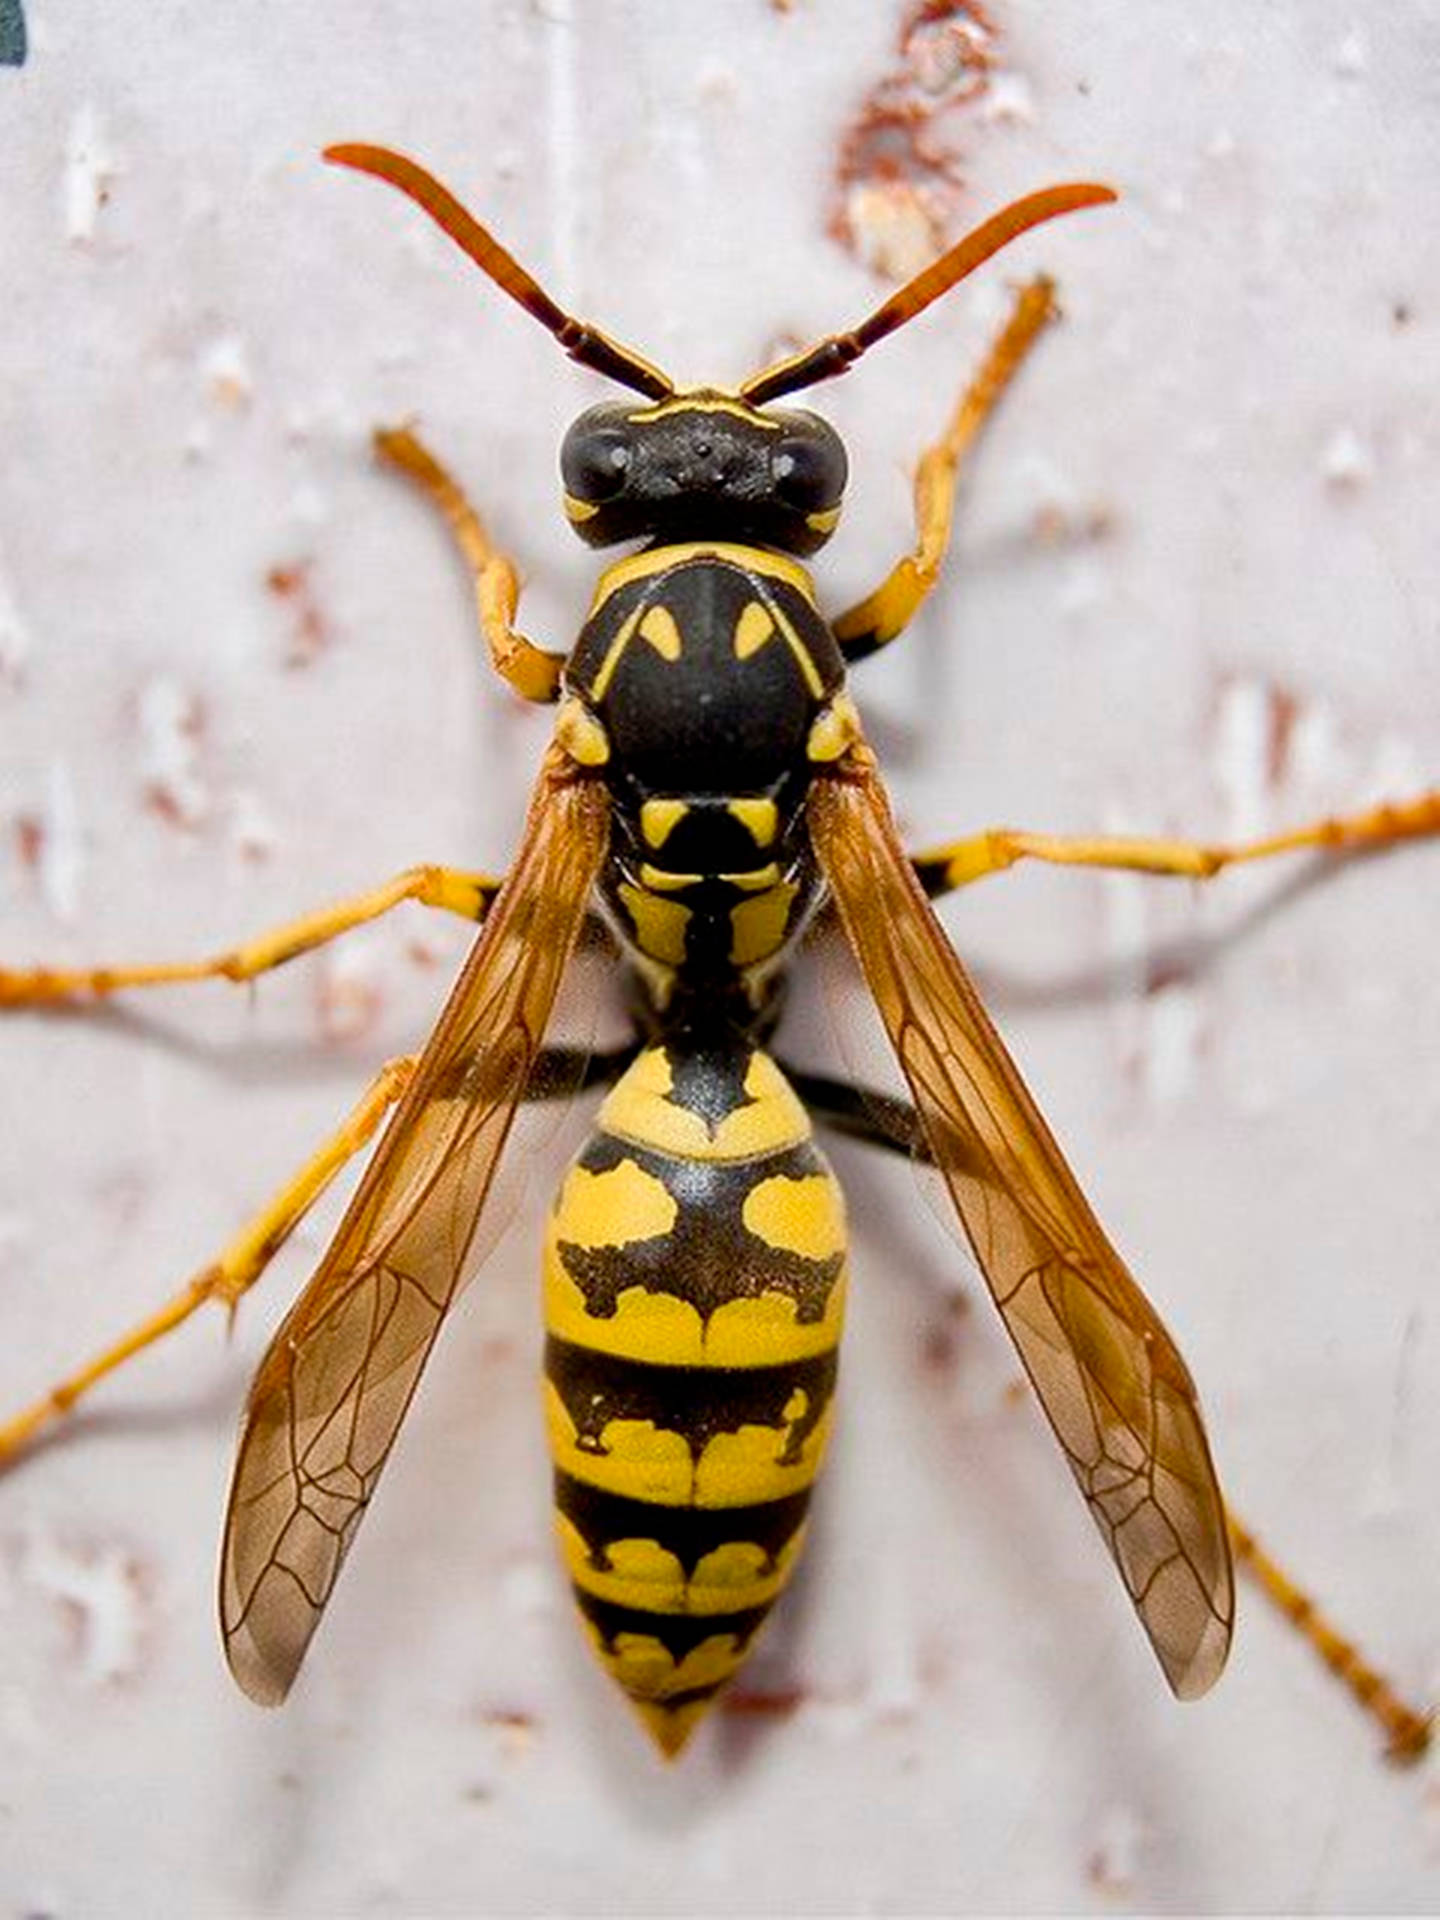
point(338, 1376)
point(1117, 1393)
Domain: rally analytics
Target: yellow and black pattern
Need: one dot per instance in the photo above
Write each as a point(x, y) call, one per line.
point(710, 878)
point(694, 1287)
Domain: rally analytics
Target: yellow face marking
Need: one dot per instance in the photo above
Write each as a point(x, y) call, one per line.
point(659, 924)
point(707, 400)
point(578, 510)
point(643, 566)
point(659, 818)
point(580, 734)
point(639, 1109)
point(760, 819)
point(753, 878)
point(658, 626)
point(835, 731)
point(758, 927)
point(804, 1216)
point(755, 626)
point(825, 521)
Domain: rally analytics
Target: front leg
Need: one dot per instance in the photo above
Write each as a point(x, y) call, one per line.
point(533, 673)
point(885, 613)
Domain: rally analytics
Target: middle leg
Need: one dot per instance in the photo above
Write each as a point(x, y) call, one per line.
point(957, 863)
point(468, 894)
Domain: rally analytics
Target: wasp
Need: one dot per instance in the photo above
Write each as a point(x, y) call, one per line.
point(708, 799)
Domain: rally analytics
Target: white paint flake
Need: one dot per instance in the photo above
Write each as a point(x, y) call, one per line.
point(61, 860)
point(1010, 101)
point(225, 373)
point(1351, 58)
point(89, 172)
point(1347, 463)
point(17, 641)
point(169, 719)
point(102, 1588)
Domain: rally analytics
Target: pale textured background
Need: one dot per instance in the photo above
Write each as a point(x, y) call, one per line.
point(1196, 588)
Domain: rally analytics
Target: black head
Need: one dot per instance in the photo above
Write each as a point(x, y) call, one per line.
point(703, 465)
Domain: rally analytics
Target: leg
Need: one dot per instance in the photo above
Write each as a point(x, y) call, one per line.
point(865, 628)
point(943, 869)
point(238, 1267)
point(468, 894)
point(887, 1122)
point(533, 673)
point(1408, 1731)
point(861, 1113)
point(557, 1072)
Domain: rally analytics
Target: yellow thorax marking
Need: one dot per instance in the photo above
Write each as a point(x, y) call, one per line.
point(754, 627)
point(801, 652)
point(661, 880)
point(658, 626)
point(581, 735)
point(659, 818)
point(642, 566)
point(760, 819)
point(758, 926)
point(659, 924)
point(616, 653)
point(835, 731)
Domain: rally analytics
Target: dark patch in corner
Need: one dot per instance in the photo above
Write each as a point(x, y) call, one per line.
point(13, 44)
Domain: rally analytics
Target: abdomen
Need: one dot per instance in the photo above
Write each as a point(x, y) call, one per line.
point(694, 1287)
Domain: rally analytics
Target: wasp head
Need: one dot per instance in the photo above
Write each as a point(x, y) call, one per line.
point(703, 465)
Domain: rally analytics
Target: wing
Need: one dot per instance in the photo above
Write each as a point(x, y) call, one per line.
point(338, 1376)
point(1117, 1393)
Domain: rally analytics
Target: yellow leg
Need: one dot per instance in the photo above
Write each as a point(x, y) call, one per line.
point(468, 894)
point(877, 619)
point(533, 673)
point(1407, 1732)
point(238, 1267)
point(942, 869)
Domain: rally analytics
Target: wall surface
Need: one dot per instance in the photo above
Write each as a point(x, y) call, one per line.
point(1194, 589)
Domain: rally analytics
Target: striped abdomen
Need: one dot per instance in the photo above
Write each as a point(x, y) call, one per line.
point(694, 1286)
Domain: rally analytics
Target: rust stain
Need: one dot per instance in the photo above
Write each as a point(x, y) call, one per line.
point(899, 173)
point(1283, 710)
point(762, 1703)
point(293, 583)
point(29, 834)
point(940, 1343)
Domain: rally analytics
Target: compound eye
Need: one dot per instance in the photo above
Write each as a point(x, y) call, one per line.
point(809, 473)
point(595, 462)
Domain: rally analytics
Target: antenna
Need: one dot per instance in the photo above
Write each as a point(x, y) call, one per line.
point(581, 341)
point(837, 352)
